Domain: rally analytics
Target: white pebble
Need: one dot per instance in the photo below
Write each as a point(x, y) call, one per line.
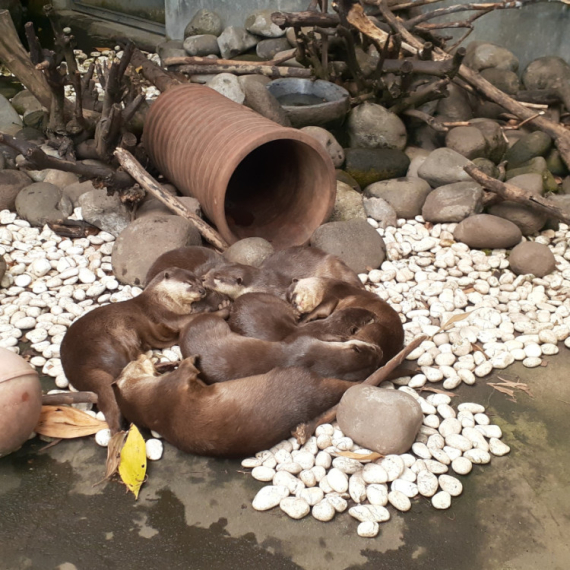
point(312, 495)
point(323, 511)
point(427, 483)
point(368, 529)
point(478, 456)
point(490, 430)
point(394, 467)
point(372, 513)
point(262, 473)
point(451, 484)
point(450, 426)
point(399, 501)
point(323, 459)
point(102, 437)
point(531, 362)
point(154, 449)
point(497, 447)
point(461, 465)
point(441, 500)
point(377, 495)
point(407, 487)
point(471, 407)
point(347, 465)
point(337, 480)
point(295, 507)
point(269, 497)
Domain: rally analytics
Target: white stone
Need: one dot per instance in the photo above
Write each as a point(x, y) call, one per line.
point(441, 500)
point(451, 452)
point(251, 462)
point(308, 478)
point(462, 465)
point(421, 450)
point(337, 480)
point(407, 487)
point(372, 513)
point(312, 495)
point(435, 466)
point(323, 459)
point(295, 507)
point(484, 368)
point(482, 419)
point(323, 511)
point(376, 494)
point(374, 473)
point(477, 456)
point(394, 467)
point(305, 459)
point(399, 501)
point(450, 426)
point(103, 437)
point(490, 430)
point(357, 487)
point(471, 407)
point(368, 529)
point(497, 447)
point(427, 483)
point(459, 442)
point(269, 497)
point(154, 449)
point(446, 411)
point(262, 473)
point(450, 484)
point(86, 275)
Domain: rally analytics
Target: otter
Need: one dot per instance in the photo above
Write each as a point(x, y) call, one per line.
point(232, 419)
point(101, 343)
point(266, 317)
point(317, 298)
point(277, 273)
point(224, 355)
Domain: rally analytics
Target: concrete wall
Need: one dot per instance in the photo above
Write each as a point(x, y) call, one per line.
point(233, 12)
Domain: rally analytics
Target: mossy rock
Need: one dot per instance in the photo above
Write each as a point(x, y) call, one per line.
point(528, 147)
point(369, 165)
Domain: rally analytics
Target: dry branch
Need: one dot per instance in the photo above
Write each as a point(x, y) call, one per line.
point(267, 70)
point(130, 164)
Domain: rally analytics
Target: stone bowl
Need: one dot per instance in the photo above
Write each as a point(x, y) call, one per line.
point(20, 401)
point(308, 102)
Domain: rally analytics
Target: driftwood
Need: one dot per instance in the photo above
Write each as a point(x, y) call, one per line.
point(323, 20)
point(510, 192)
point(195, 60)
point(130, 164)
point(267, 70)
point(304, 431)
point(69, 398)
point(157, 76)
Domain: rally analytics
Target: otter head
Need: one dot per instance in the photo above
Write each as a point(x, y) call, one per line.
point(305, 294)
point(134, 371)
point(231, 280)
point(177, 289)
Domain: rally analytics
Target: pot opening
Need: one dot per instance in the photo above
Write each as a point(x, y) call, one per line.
point(277, 192)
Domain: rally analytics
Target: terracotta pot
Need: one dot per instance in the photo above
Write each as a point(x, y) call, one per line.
point(251, 176)
point(20, 401)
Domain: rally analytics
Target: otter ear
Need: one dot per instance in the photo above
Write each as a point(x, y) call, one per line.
point(356, 348)
point(353, 330)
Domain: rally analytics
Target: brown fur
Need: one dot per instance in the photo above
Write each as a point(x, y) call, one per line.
point(266, 317)
point(277, 272)
point(224, 355)
point(232, 419)
point(319, 298)
point(101, 343)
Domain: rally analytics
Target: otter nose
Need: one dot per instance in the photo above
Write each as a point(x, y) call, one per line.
point(202, 291)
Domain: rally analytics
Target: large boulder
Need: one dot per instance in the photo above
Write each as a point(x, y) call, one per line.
point(455, 107)
point(170, 48)
point(154, 207)
point(25, 101)
point(348, 204)
point(385, 421)
point(484, 231)
point(235, 40)
point(9, 118)
point(368, 165)
point(372, 126)
point(204, 44)
point(60, 178)
point(380, 210)
point(11, 182)
point(227, 84)
point(482, 55)
point(77, 189)
point(507, 81)
point(41, 203)
point(444, 166)
point(453, 202)
point(259, 98)
point(204, 22)
point(105, 212)
point(496, 143)
point(531, 257)
point(356, 242)
point(249, 251)
point(526, 218)
point(467, 141)
point(528, 147)
point(548, 72)
point(268, 49)
point(261, 24)
point(328, 142)
point(144, 241)
point(406, 195)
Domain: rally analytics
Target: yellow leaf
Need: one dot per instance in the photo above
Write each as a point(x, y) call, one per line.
point(132, 467)
point(66, 422)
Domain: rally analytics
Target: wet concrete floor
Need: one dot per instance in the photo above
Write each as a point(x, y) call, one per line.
point(196, 513)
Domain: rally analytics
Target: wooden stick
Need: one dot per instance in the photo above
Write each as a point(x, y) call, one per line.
point(208, 61)
point(309, 18)
point(304, 431)
point(516, 194)
point(69, 398)
point(267, 70)
point(161, 79)
point(131, 165)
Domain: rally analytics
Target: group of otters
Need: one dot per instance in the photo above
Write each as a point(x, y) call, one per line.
point(265, 348)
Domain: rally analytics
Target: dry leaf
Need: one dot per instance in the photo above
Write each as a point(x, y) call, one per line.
point(360, 456)
point(503, 390)
point(102, 49)
point(437, 391)
point(114, 453)
point(518, 385)
point(455, 319)
point(477, 348)
point(132, 467)
point(468, 290)
point(66, 422)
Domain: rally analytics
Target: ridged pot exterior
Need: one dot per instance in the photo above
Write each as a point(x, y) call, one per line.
point(20, 401)
point(251, 176)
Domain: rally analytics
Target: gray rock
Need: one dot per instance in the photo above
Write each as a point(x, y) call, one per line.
point(546, 73)
point(415, 164)
point(535, 165)
point(2, 267)
point(228, 85)
point(144, 240)
point(372, 126)
point(531, 257)
point(482, 55)
point(406, 195)
point(11, 182)
point(153, 207)
point(487, 166)
point(356, 242)
point(329, 143)
point(105, 212)
point(527, 219)
point(192, 204)
point(348, 204)
point(249, 251)
point(348, 179)
point(368, 165)
point(455, 106)
point(204, 22)
point(565, 187)
point(36, 119)
point(25, 101)
point(496, 143)
point(528, 147)
point(555, 163)
point(268, 49)
point(75, 190)
point(484, 231)
point(531, 182)
point(258, 98)
point(60, 178)
point(381, 211)
point(235, 40)
point(385, 421)
point(453, 202)
point(8, 115)
point(260, 24)
point(444, 166)
point(41, 203)
point(467, 141)
point(205, 44)
point(507, 81)
point(170, 48)
point(416, 152)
